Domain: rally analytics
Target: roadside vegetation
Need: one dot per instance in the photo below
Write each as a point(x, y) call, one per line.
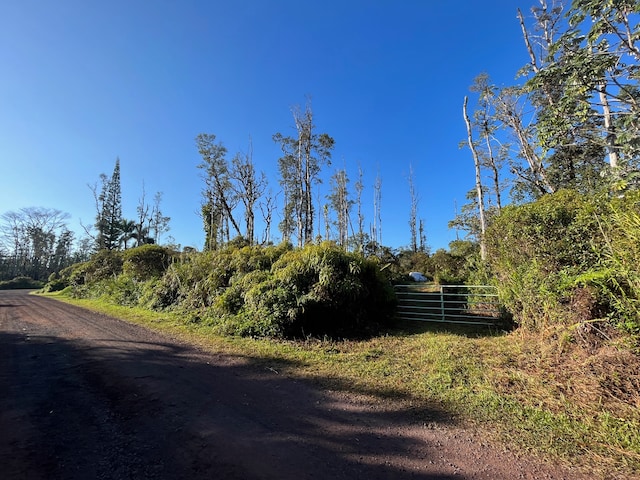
point(20, 282)
point(519, 390)
point(553, 222)
point(564, 382)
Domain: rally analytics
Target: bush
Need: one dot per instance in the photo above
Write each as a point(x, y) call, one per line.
point(277, 291)
point(146, 262)
point(55, 285)
point(195, 280)
point(536, 250)
point(248, 290)
point(617, 277)
point(321, 290)
point(567, 258)
point(20, 282)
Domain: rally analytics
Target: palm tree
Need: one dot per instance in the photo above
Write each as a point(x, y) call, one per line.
point(141, 234)
point(128, 228)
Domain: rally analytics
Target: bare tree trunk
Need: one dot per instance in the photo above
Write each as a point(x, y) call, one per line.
point(413, 213)
point(327, 223)
point(510, 116)
point(492, 165)
point(608, 126)
point(300, 207)
point(476, 161)
point(377, 215)
point(267, 207)
point(359, 188)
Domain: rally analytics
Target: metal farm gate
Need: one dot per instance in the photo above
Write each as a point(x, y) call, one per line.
point(464, 304)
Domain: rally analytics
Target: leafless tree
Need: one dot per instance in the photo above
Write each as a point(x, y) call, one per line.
point(479, 192)
point(248, 186)
point(303, 157)
point(413, 212)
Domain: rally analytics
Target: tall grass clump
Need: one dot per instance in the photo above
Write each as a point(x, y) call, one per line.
point(567, 268)
point(618, 278)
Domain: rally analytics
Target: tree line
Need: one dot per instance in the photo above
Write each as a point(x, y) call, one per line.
point(554, 208)
point(234, 187)
point(36, 242)
point(573, 120)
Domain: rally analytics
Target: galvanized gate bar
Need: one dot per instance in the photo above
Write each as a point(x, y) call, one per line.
point(464, 304)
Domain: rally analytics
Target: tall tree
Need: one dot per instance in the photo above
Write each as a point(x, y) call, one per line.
point(341, 204)
point(143, 223)
point(413, 211)
point(300, 165)
point(510, 105)
point(491, 152)
point(595, 61)
point(566, 122)
point(159, 223)
point(479, 190)
point(218, 197)
point(267, 207)
point(360, 235)
point(376, 230)
point(248, 185)
point(109, 204)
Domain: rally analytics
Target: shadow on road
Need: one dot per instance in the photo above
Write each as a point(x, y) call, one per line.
point(128, 408)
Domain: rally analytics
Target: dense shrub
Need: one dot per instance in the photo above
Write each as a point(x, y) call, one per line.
point(320, 290)
point(617, 278)
point(105, 264)
point(535, 249)
point(277, 291)
point(196, 280)
point(568, 258)
point(20, 282)
point(55, 283)
point(146, 261)
point(248, 290)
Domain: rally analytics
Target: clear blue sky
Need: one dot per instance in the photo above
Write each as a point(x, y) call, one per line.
point(84, 82)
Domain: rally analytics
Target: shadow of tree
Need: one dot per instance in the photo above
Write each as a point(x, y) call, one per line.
point(116, 407)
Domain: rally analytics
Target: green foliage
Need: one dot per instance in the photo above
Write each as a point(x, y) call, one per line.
point(409, 261)
point(20, 282)
point(55, 283)
point(195, 280)
point(618, 275)
point(322, 290)
point(146, 261)
point(530, 248)
point(253, 290)
point(103, 265)
point(568, 258)
point(109, 215)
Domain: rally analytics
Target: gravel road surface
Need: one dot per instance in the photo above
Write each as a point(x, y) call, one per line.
point(85, 396)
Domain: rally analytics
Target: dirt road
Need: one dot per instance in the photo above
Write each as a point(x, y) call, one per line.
point(85, 396)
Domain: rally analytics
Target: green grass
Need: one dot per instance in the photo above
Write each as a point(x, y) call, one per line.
point(499, 382)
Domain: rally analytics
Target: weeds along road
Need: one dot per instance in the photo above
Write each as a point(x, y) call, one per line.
point(85, 396)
